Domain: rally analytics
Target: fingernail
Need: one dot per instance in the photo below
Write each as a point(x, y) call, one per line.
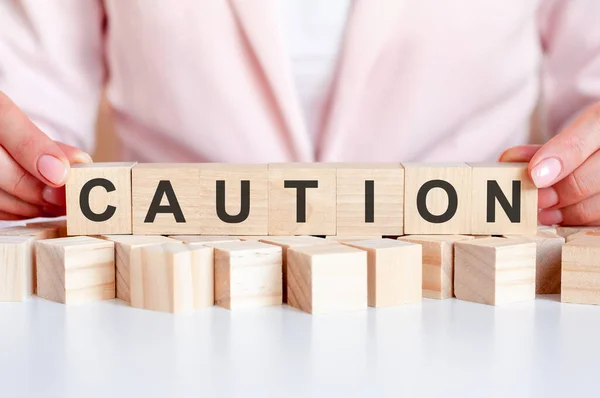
point(54, 196)
point(52, 169)
point(550, 217)
point(82, 157)
point(546, 172)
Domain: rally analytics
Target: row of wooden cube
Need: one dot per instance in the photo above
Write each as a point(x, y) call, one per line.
point(301, 199)
point(488, 270)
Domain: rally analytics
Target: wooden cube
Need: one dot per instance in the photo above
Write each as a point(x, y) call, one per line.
point(327, 278)
point(437, 198)
point(302, 199)
point(234, 199)
point(16, 268)
point(173, 277)
point(75, 269)
point(99, 199)
point(438, 263)
point(60, 225)
point(547, 228)
point(247, 274)
point(128, 251)
point(495, 271)
point(566, 232)
point(503, 199)
point(344, 239)
point(548, 261)
point(583, 233)
point(204, 239)
point(394, 271)
point(580, 278)
point(37, 232)
point(166, 199)
point(370, 199)
point(285, 242)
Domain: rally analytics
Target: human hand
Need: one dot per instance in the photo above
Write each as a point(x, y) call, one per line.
point(34, 168)
point(567, 171)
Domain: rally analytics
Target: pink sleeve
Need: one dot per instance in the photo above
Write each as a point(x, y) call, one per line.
point(570, 34)
point(51, 64)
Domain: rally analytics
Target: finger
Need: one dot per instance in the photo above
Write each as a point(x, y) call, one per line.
point(55, 196)
point(54, 211)
point(14, 205)
point(586, 212)
point(19, 182)
point(522, 153)
point(4, 216)
point(566, 151)
point(581, 184)
point(547, 198)
point(30, 147)
point(74, 155)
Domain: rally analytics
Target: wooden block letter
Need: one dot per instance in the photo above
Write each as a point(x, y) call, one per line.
point(76, 269)
point(495, 271)
point(438, 263)
point(394, 271)
point(99, 199)
point(504, 200)
point(247, 274)
point(16, 268)
point(327, 278)
point(128, 256)
point(370, 199)
point(437, 198)
point(173, 277)
point(302, 199)
point(234, 199)
point(166, 199)
point(580, 279)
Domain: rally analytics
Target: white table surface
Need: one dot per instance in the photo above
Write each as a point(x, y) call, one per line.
point(436, 348)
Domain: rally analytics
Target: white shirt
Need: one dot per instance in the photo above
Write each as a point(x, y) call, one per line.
point(313, 31)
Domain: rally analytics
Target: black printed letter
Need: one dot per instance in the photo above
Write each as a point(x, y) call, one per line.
point(244, 207)
point(84, 200)
point(422, 201)
point(494, 192)
point(164, 188)
point(301, 186)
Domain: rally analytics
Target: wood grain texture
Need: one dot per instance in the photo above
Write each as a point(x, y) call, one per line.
point(351, 238)
point(247, 274)
point(504, 174)
point(548, 261)
point(60, 225)
point(185, 180)
point(128, 250)
point(173, 277)
point(495, 271)
point(456, 174)
point(327, 278)
point(388, 203)
point(438, 263)
point(320, 201)
point(119, 174)
point(285, 242)
point(76, 269)
point(566, 232)
point(16, 268)
point(583, 234)
point(394, 271)
point(204, 239)
point(257, 175)
point(38, 232)
point(580, 277)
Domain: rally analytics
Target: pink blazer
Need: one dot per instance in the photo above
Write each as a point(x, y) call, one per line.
point(200, 80)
